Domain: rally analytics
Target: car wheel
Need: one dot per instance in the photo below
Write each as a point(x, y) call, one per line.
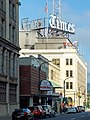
point(54, 114)
point(50, 115)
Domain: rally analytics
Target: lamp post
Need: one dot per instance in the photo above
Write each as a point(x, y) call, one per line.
point(79, 94)
point(40, 79)
point(64, 86)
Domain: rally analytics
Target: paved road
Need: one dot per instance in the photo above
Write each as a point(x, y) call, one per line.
point(78, 116)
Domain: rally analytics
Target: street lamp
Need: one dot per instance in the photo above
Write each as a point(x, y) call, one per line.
point(79, 94)
point(64, 86)
point(40, 79)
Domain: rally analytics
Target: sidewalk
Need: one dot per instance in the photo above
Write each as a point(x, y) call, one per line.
point(5, 118)
point(87, 109)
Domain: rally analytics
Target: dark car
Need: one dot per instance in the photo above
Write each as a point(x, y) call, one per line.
point(37, 111)
point(77, 110)
point(81, 108)
point(22, 114)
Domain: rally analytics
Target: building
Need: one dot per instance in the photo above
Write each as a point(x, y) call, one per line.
point(88, 95)
point(54, 44)
point(71, 67)
point(35, 86)
point(9, 54)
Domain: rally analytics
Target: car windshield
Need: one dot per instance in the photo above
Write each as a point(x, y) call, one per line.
point(44, 107)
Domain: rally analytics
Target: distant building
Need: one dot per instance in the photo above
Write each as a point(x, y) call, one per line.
point(88, 95)
point(55, 45)
point(9, 54)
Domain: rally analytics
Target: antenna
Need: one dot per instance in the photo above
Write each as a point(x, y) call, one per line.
point(57, 8)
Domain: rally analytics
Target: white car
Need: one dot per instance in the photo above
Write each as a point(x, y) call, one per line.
point(49, 110)
point(71, 110)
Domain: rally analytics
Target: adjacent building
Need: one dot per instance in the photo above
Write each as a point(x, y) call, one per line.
point(9, 56)
point(35, 86)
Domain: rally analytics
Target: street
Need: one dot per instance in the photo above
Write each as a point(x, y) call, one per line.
point(77, 116)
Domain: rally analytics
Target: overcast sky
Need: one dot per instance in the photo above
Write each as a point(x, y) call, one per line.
point(73, 11)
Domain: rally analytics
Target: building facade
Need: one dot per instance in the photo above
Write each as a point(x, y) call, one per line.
point(73, 70)
point(88, 95)
point(57, 47)
point(9, 54)
point(35, 83)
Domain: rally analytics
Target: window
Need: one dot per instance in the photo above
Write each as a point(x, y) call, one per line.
point(71, 73)
point(3, 60)
point(67, 73)
point(71, 85)
point(10, 31)
point(9, 64)
point(2, 92)
point(70, 61)
point(1, 5)
point(13, 11)
point(12, 93)
point(26, 34)
point(14, 65)
point(2, 33)
point(51, 74)
point(13, 34)
point(56, 61)
point(67, 85)
point(67, 61)
point(10, 8)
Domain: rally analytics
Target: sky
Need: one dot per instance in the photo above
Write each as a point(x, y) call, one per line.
point(73, 11)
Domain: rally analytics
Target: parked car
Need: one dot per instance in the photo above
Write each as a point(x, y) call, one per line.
point(77, 110)
point(21, 114)
point(81, 108)
point(49, 110)
point(71, 110)
point(37, 111)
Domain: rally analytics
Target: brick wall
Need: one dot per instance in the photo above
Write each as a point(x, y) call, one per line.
point(29, 79)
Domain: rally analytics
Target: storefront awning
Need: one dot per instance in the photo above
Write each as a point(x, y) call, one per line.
point(55, 84)
point(46, 85)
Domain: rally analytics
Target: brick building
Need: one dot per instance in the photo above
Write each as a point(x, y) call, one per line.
point(29, 82)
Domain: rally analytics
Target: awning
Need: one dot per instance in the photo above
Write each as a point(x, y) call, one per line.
point(46, 85)
point(55, 84)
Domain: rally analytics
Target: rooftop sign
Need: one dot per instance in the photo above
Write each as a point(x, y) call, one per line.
point(55, 23)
